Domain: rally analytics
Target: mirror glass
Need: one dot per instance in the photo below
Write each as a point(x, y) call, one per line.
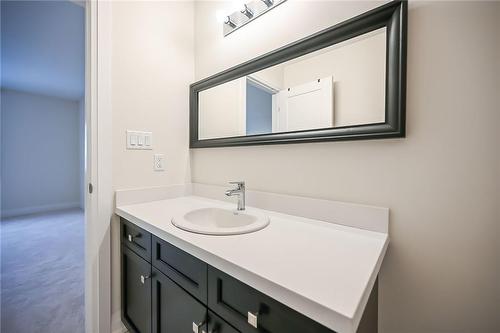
point(337, 86)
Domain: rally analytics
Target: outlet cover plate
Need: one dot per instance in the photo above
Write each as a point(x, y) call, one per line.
point(158, 162)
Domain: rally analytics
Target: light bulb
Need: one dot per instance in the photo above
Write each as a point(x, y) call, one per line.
point(246, 11)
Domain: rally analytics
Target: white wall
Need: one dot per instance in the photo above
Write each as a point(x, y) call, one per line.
point(152, 67)
point(40, 156)
point(441, 182)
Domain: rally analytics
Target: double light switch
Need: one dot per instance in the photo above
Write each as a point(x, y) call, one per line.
point(139, 140)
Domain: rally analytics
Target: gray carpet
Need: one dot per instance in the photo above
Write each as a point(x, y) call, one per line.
point(42, 273)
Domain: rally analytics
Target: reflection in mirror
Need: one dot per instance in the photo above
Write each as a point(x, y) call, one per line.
point(341, 85)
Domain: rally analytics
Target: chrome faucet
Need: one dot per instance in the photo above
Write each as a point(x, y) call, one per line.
point(240, 192)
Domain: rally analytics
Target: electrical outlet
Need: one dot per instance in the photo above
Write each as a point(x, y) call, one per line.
point(158, 162)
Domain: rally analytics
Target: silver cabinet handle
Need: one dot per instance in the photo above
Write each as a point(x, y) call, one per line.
point(252, 318)
point(197, 327)
point(144, 278)
point(131, 238)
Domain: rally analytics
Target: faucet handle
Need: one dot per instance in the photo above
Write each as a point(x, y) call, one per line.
point(240, 184)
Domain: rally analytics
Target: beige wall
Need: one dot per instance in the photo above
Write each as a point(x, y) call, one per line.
point(358, 70)
point(441, 182)
point(223, 110)
point(272, 76)
point(497, 103)
point(152, 69)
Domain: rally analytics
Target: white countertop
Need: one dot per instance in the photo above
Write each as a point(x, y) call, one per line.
point(323, 270)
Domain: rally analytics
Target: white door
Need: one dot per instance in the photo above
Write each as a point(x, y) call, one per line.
point(306, 106)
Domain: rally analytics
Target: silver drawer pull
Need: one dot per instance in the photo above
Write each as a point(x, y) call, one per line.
point(144, 278)
point(252, 319)
point(131, 238)
point(197, 327)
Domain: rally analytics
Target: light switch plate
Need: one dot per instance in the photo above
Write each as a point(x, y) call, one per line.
point(139, 140)
point(159, 162)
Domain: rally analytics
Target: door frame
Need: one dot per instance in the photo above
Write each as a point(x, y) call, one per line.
point(98, 169)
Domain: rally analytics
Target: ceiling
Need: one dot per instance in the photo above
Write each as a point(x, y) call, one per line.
point(43, 47)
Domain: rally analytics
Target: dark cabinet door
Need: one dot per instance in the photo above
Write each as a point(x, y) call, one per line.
point(174, 310)
point(217, 325)
point(136, 292)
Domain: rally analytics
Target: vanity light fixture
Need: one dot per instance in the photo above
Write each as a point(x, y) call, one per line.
point(249, 12)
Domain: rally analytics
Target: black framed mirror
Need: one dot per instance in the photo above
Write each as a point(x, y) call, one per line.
point(347, 82)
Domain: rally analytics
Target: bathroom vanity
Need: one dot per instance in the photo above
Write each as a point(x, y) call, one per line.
point(295, 275)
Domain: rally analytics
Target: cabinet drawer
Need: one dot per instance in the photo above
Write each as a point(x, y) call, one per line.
point(136, 239)
point(239, 303)
point(187, 271)
point(135, 291)
point(218, 325)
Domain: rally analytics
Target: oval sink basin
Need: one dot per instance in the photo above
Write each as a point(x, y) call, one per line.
point(218, 221)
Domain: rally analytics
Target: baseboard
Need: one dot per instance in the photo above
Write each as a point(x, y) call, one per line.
point(6, 213)
point(116, 323)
